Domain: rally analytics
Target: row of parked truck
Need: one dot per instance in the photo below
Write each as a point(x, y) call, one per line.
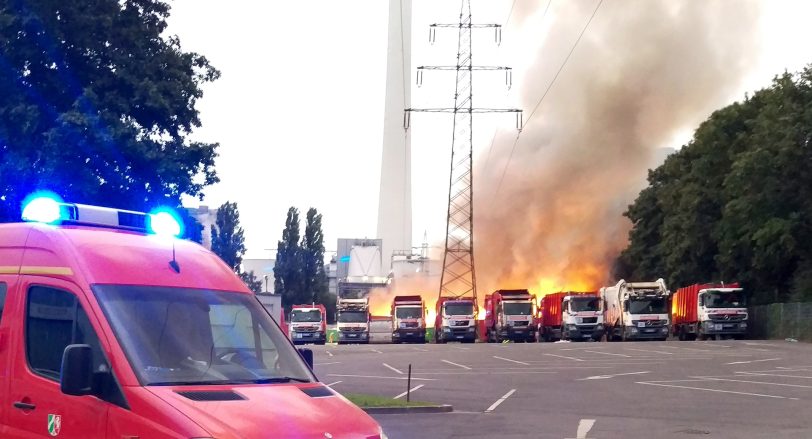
point(625, 311)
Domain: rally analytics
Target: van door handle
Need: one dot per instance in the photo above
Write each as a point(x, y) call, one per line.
point(24, 405)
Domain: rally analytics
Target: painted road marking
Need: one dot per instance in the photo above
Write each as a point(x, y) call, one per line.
point(420, 349)
point(758, 382)
point(753, 361)
point(609, 353)
point(460, 348)
point(647, 351)
point(562, 356)
point(324, 364)
point(329, 353)
point(749, 343)
point(603, 377)
point(333, 384)
point(774, 375)
point(512, 361)
point(500, 400)
point(486, 373)
point(584, 425)
point(410, 391)
point(690, 349)
point(376, 351)
point(379, 377)
point(715, 390)
point(455, 364)
point(392, 368)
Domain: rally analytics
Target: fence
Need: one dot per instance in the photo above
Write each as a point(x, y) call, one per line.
point(781, 320)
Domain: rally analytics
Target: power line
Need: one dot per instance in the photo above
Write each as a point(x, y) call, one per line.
point(546, 91)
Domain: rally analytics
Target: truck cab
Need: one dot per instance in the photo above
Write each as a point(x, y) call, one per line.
point(455, 320)
point(408, 319)
point(582, 317)
point(352, 321)
point(636, 310)
point(723, 312)
point(510, 315)
point(308, 324)
point(112, 327)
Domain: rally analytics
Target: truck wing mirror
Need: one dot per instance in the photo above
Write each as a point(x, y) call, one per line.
point(307, 356)
point(76, 378)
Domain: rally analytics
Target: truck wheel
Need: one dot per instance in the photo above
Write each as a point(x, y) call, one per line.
point(681, 335)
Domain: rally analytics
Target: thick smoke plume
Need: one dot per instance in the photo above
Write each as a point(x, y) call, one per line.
point(644, 71)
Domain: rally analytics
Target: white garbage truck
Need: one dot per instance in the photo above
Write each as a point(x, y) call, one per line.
point(636, 310)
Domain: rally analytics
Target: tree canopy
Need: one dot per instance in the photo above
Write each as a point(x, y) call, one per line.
point(98, 104)
point(228, 242)
point(734, 204)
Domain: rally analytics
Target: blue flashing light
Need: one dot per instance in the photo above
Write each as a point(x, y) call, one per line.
point(43, 207)
point(344, 259)
point(165, 222)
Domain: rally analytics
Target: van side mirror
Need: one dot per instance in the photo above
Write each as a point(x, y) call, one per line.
point(307, 355)
point(77, 370)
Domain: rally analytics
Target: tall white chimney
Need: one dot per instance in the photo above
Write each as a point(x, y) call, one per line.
point(395, 199)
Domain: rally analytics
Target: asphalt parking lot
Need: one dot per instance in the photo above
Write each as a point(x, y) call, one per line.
point(723, 389)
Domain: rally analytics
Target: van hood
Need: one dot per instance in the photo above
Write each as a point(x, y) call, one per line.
point(270, 410)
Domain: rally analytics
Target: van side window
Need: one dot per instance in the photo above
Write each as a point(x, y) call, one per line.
point(53, 321)
point(3, 289)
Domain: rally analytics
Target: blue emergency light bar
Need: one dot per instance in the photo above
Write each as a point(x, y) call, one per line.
point(49, 209)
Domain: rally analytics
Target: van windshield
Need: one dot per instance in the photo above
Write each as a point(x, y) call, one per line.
point(578, 304)
point(459, 309)
point(179, 336)
point(408, 312)
point(352, 317)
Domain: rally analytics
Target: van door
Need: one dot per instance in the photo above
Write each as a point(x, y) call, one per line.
point(54, 316)
point(5, 282)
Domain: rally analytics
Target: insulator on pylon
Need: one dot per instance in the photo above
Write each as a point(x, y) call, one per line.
point(406, 119)
point(432, 34)
point(498, 35)
point(419, 77)
point(509, 78)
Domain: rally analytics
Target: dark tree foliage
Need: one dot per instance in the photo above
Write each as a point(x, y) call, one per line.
point(287, 270)
point(735, 204)
point(313, 274)
point(228, 242)
point(97, 105)
point(227, 238)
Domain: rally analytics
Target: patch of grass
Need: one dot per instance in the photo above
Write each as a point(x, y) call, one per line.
point(365, 401)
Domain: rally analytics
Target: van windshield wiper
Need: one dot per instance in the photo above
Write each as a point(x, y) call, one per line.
point(199, 383)
point(283, 379)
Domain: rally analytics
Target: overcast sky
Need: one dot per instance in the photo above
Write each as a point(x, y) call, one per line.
point(299, 108)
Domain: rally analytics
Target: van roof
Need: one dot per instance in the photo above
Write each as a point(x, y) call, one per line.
point(92, 255)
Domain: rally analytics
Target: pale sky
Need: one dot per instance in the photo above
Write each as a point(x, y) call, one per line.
point(298, 110)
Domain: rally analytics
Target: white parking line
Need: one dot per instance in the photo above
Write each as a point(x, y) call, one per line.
point(609, 353)
point(420, 349)
point(774, 375)
point(715, 390)
point(410, 391)
point(392, 368)
point(584, 425)
point(460, 348)
point(376, 351)
point(753, 361)
point(333, 384)
point(455, 364)
point(500, 400)
point(647, 351)
point(562, 356)
point(378, 377)
point(512, 361)
point(603, 377)
point(758, 382)
point(324, 364)
point(330, 354)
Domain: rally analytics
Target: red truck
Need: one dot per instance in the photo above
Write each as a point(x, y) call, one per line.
point(408, 319)
point(709, 311)
point(571, 315)
point(509, 315)
point(455, 320)
point(308, 324)
point(112, 327)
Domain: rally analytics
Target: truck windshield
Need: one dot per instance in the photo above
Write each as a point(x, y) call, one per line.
point(305, 316)
point(411, 312)
point(578, 304)
point(518, 309)
point(459, 309)
point(648, 306)
point(725, 299)
point(352, 317)
point(180, 336)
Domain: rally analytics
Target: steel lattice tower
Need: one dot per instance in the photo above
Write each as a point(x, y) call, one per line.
point(459, 274)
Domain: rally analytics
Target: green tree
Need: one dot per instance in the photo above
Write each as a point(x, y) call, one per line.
point(227, 238)
point(251, 281)
point(314, 275)
point(98, 103)
point(736, 202)
point(288, 279)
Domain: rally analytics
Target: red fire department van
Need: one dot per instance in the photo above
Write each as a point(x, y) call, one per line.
point(110, 330)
